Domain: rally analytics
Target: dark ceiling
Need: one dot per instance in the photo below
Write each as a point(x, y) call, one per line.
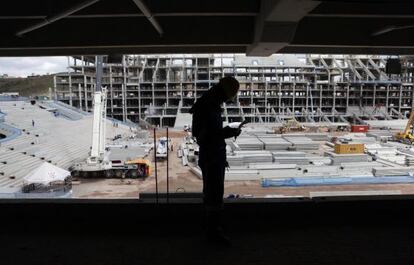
point(214, 26)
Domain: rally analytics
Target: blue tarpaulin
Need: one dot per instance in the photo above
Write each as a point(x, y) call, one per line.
point(295, 182)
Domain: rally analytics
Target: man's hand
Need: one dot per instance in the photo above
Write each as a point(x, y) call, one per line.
point(231, 132)
point(237, 132)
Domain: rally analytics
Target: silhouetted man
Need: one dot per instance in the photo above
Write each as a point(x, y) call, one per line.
point(208, 129)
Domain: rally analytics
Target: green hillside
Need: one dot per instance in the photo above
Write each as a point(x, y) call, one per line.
point(32, 86)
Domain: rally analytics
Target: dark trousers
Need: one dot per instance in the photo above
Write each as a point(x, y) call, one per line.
point(213, 185)
point(212, 166)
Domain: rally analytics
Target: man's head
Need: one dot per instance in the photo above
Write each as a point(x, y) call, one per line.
point(228, 88)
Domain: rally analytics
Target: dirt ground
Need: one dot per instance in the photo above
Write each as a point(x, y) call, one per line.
point(181, 179)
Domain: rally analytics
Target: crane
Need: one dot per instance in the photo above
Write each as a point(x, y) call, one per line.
point(407, 136)
point(98, 163)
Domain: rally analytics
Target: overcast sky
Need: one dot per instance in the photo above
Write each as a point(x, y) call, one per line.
point(24, 66)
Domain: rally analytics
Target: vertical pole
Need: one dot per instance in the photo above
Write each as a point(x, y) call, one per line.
point(155, 163)
point(99, 72)
point(168, 185)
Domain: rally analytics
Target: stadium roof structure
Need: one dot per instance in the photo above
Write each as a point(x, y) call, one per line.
point(70, 27)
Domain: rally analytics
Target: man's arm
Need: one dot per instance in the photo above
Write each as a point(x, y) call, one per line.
point(229, 132)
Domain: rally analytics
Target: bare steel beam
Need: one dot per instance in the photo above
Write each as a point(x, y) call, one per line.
point(54, 18)
point(147, 13)
point(127, 15)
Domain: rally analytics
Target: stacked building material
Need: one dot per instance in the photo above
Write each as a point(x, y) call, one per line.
point(319, 160)
point(302, 143)
point(235, 160)
point(393, 171)
point(312, 136)
point(271, 166)
point(317, 136)
point(337, 159)
point(300, 158)
point(292, 160)
point(259, 157)
point(360, 138)
point(249, 143)
point(246, 157)
point(409, 161)
point(374, 149)
point(288, 154)
point(359, 165)
point(275, 143)
point(386, 153)
point(380, 135)
point(242, 175)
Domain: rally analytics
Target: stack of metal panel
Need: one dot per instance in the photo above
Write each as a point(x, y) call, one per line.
point(258, 158)
point(302, 143)
point(290, 158)
point(288, 154)
point(409, 161)
point(393, 171)
point(246, 157)
point(299, 158)
point(273, 166)
point(319, 160)
point(338, 159)
point(317, 136)
point(249, 143)
point(386, 153)
point(312, 136)
point(242, 174)
point(235, 160)
point(359, 165)
point(361, 138)
point(380, 135)
point(275, 143)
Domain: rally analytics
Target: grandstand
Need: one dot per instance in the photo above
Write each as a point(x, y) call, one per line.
point(59, 139)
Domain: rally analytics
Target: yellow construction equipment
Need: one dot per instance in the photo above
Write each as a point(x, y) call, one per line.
point(143, 166)
point(291, 125)
point(406, 136)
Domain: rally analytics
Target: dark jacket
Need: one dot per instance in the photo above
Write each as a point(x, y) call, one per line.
point(207, 126)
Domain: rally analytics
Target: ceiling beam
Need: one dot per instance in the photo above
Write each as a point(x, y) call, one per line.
point(276, 24)
point(147, 13)
point(56, 17)
point(190, 14)
point(122, 49)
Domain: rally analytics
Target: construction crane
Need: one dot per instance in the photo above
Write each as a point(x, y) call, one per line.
point(406, 136)
point(98, 164)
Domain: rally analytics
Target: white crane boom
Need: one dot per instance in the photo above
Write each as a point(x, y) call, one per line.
point(98, 130)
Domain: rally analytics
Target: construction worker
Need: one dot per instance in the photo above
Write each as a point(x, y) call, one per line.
point(207, 128)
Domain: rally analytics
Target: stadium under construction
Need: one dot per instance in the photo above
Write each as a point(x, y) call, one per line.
point(160, 89)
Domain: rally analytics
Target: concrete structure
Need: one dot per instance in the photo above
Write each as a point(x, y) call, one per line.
point(319, 88)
